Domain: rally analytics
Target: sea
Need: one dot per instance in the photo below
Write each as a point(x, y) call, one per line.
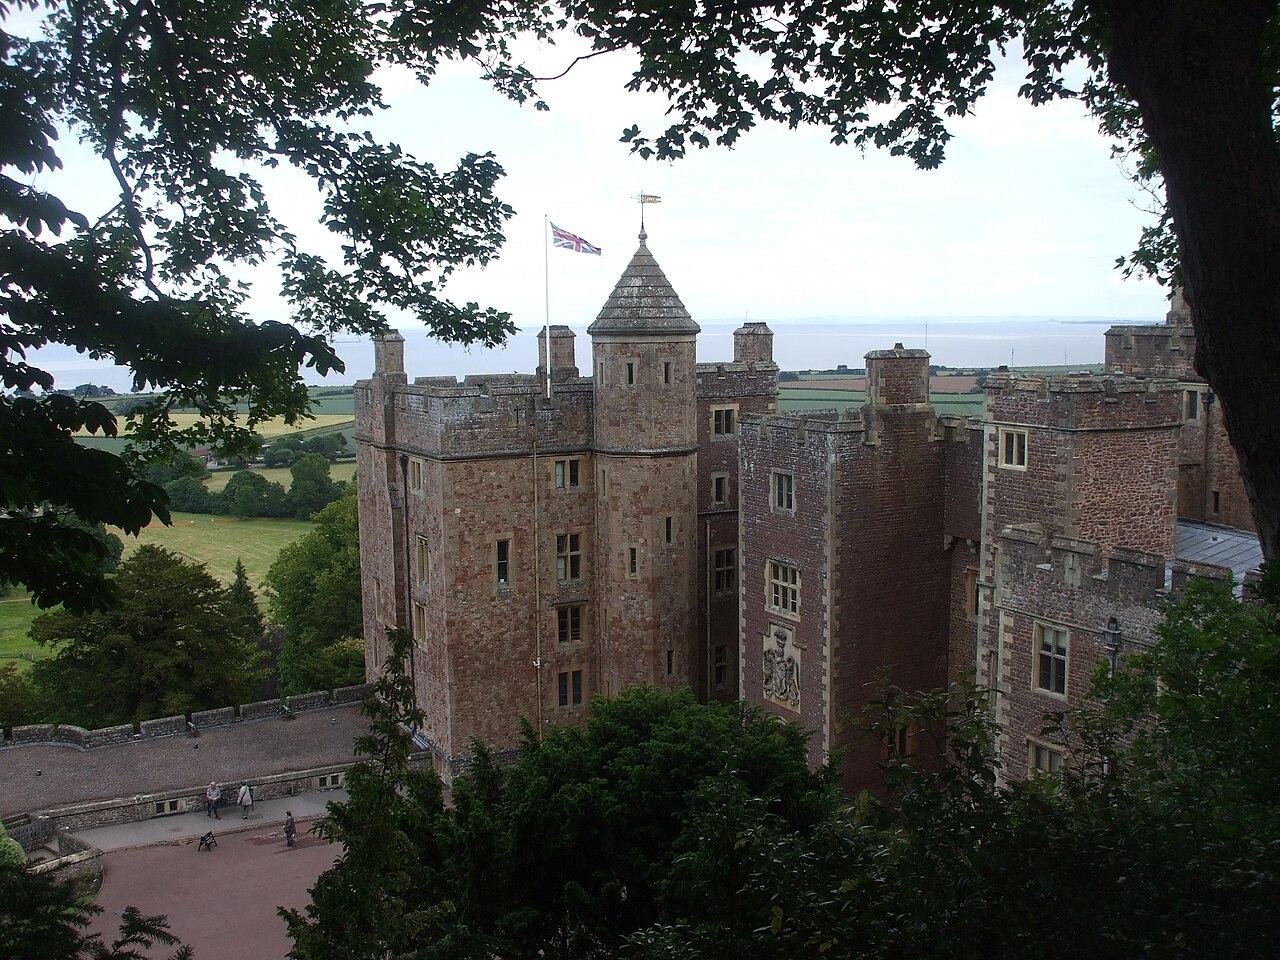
point(799, 344)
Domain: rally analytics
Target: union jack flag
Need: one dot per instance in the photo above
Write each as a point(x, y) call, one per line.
point(570, 241)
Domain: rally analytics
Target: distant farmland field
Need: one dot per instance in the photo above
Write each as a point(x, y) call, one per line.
point(280, 475)
point(956, 404)
point(957, 384)
point(269, 430)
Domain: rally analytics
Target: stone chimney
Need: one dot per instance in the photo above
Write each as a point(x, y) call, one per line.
point(388, 355)
point(753, 343)
point(562, 359)
point(1179, 314)
point(897, 376)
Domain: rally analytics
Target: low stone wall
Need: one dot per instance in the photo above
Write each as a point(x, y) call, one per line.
point(172, 726)
point(76, 859)
point(102, 813)
point(29, 831)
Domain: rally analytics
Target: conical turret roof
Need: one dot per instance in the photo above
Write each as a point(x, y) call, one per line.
point(643, 302)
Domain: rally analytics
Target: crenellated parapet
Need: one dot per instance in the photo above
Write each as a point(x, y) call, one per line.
point(1082, 401)
point(1074, 581)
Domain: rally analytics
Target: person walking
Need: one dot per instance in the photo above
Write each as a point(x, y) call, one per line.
point(212, 797)
point(245, 799)
point(290, 828)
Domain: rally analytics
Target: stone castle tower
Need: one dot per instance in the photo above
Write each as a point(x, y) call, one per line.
point(646, 466)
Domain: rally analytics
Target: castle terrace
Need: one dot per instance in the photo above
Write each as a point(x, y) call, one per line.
point(50, 776)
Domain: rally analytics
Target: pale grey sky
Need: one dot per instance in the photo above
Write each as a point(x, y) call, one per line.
point(1025, 218)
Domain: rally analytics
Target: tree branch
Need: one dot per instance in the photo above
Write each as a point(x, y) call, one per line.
point(576, 61)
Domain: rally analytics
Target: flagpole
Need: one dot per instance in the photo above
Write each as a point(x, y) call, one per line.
point(546, 296)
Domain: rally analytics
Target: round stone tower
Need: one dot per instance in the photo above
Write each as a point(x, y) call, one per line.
point(643, 353)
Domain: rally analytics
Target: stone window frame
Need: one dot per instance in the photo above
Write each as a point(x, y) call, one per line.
point(731, 421)
point(566, 473)
point(775, 485)
point(1215, 502)
point(416, 485)
point(720, 666)
point(668, 373)
point(571, 687)
point(419, 625)
point(669, 530)
point(1034, 748)
point(728, 584)
point(905, 743)
point(566, 609)
point(785, 587)
point(1192, 403)
point(631, 560)
point(421, 562)
point(671, 662)
point(724, 501)
point(631, 372)
point(500, 587)
point(601, 367)
point(569, 555)
point(1037, 642)
point(1006, 464)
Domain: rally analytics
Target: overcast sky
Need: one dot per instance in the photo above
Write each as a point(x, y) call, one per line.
point(1025, 218)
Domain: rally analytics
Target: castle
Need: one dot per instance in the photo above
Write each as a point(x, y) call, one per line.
point(551, 536)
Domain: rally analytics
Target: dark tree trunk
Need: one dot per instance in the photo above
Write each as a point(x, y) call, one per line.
point(1195, 68)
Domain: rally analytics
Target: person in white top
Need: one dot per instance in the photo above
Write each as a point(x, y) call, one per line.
point(245, 799)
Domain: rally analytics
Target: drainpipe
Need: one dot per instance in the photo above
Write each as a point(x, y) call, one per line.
point(707, 609)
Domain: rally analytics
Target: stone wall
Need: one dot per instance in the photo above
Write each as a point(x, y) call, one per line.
point(172, 726)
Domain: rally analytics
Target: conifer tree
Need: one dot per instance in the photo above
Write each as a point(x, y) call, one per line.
point(245, 601)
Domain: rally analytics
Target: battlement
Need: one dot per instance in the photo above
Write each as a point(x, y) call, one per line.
point(1033, 561)
point(1155, 350)
point(1082, 401)
point(782, 425)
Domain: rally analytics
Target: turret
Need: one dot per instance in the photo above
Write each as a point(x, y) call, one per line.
point(753, 343)
point(388, 355)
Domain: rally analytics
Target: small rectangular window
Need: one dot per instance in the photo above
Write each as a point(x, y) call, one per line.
point(568, 557)
point(904, 740)
point(1013, 449)
point(972, 600)
point(720, 488)
point(1190, 404)
point(633, 561)
point(726, 570)
point(422, 563)
point(566, 474)
point(784, 587)
point(577, 687)
point(631, 373)
point(563, 691)
point(502, 563)
point(668, 524)
point(666, 372)
point(415, 475)
point(1045, 760)
point(721, 666)
point(568, 624)
point(419, 622)
point(784, 486)
point(724, 421)
point(1217, 502)
point(671, 662)
point(1051, 659)
point(600, 372)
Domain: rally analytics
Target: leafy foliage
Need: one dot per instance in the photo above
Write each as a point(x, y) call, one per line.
point(312, 488)
point(176, 643)
point(185, 105)
point(44, 919)
point(21, 701)
point(564, 853)
point(665, 830)
point(315, 597)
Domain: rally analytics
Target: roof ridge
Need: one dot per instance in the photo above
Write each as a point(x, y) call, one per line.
point(643, 301)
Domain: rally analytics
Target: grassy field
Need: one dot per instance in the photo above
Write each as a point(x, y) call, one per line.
point(270, 428)
point(213, 541)
point(16, 614)
point(957, 404)
point(218, 541)
point(281, 475)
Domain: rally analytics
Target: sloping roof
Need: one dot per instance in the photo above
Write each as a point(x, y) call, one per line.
point(643, 302)
point(1205, 543)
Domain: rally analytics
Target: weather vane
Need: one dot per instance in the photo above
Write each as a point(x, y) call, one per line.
point(642, 198)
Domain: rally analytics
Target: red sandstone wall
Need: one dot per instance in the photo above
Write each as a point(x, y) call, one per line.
point(891, 579)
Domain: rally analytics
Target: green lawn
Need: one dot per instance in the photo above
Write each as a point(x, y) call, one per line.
point(214, 541)
point(218, 541)
point(280, 475)
point(16, 614)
